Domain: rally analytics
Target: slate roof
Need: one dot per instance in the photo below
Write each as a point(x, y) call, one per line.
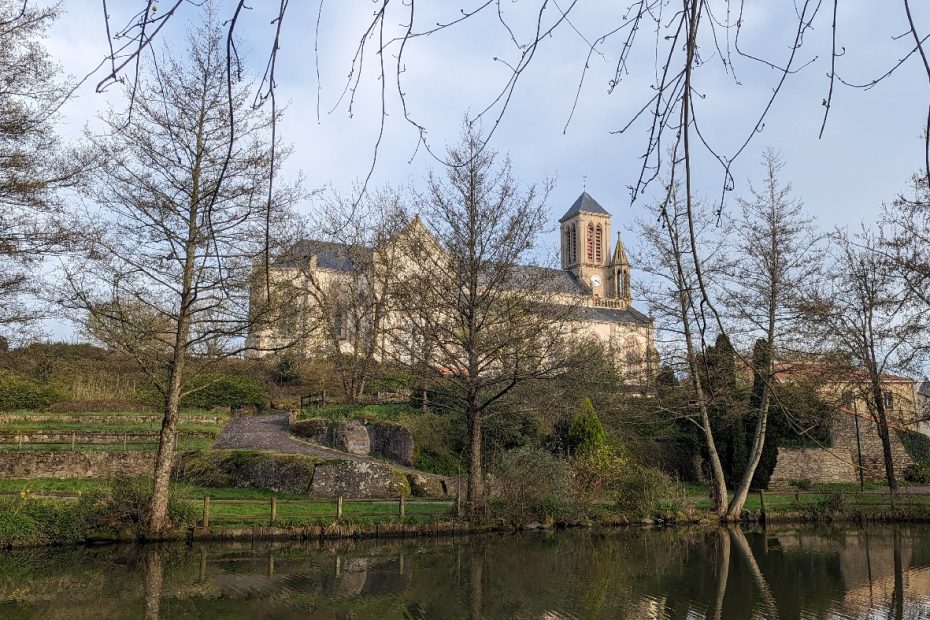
point(329, 255)
point(584, 203)
point(613, 315)
point(550, 280)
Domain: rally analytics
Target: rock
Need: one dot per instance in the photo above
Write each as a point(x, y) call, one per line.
point(422, 485)
point(314, 429)
point(351, 437)
point(358, 479)
point(392, 441)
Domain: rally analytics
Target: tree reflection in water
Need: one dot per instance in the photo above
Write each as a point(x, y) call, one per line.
point(675, 573)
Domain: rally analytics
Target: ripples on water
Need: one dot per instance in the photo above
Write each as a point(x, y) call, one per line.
point(675, 574)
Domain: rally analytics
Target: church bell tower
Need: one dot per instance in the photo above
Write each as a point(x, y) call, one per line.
point(585, 230)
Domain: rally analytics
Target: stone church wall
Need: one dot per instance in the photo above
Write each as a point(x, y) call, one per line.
point(837, 463)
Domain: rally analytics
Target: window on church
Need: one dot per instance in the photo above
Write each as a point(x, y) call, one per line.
point(598, 243)
point(567, 247)
point(590, 244)
point(339, 327)
point(574, 243)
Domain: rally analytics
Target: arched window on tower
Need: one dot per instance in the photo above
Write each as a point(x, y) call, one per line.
point(598, 243)
point(574, 243)
point(567, 246)
point(590, 244)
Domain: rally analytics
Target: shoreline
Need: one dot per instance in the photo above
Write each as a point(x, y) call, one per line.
point(395, 530)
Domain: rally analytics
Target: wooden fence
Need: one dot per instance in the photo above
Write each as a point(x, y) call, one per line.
point(338, 510)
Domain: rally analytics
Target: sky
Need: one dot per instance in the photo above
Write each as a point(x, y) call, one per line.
point(870, 147)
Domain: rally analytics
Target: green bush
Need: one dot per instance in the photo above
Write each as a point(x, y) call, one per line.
point(439, 463)
point(19, 393)
point(917, 446)
point(26, 520)
point(215, 390)
point(598, 475)
point(647, 491)
point(287, 370)
point(125, 505)
point(530, 484)
point(918, 473)
point(585, 432)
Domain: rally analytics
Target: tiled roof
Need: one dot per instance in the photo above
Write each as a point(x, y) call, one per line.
point(586, 204)
point(329, 255)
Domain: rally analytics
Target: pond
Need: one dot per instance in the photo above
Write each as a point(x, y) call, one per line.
point(787, 573)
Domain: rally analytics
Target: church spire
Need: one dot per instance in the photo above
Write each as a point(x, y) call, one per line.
point(620, 258)
point(620, 267)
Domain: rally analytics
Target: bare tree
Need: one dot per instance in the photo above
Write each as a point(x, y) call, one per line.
point(676, 302)
point(475, 312)
point(777, 261)
point(33, 168)
point(180, 201)
point(349, 313)
point(866, 313)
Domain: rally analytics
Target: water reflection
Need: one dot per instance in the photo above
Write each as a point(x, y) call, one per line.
point(676, 574)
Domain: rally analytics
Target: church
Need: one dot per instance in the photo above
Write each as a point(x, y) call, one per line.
point(593, 280)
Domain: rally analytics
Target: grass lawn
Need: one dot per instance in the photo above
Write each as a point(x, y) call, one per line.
point(291, 509)
point(819, 499)
point(375, 413)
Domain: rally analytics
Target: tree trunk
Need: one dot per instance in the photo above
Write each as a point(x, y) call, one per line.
point(164, 457)
point(738, 500)
point(153, 576)
point(475, 479)
point(881, 419)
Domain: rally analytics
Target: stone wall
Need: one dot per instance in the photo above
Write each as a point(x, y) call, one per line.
point(62, 464)
point(838, 463)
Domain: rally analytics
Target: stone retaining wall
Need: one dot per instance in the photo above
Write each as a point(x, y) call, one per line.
point(28, 418)
point(60, 464)
point(89, 437)
point(838, 463)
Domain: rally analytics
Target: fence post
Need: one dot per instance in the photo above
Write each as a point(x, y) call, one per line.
point(206, 511)
point(274, 510)
point(762, 503)
point(797, 498)
point(401, 506)
point(20, 438)
point(339, 507)
point(72, 441)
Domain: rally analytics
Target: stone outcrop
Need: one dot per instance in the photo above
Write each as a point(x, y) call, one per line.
point(284, 473)
point(422, 485)
point(358, 479)
point(838, 463)
point(392, 441)
point(351, 437)
point(386, 439)
point(314, 429)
